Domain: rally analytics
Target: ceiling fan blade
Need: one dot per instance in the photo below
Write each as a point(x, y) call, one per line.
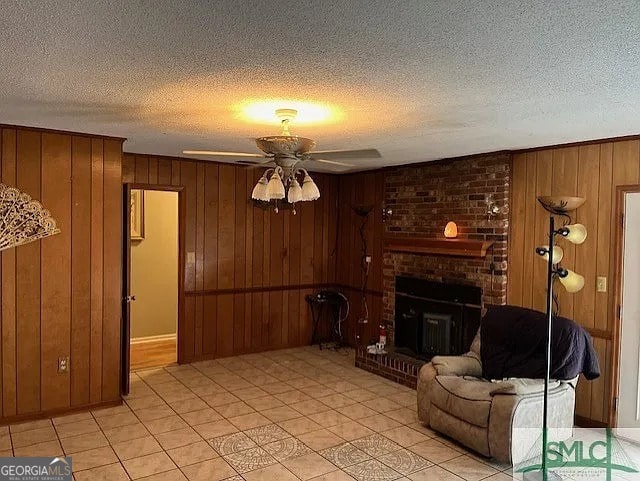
point(346, 154)
point(254, 165)
point(214, 153)
point(332, 162)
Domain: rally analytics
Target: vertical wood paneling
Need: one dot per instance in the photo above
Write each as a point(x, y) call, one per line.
point(56, 258)
point(28, 283)
point(97, 268)
point(112, 293)
point(593, 171)
point(9, 288)
point(80, 269)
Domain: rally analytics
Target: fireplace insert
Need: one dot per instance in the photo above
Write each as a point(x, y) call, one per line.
point(435, 318)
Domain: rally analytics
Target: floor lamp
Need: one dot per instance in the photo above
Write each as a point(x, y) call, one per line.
point(572, 282)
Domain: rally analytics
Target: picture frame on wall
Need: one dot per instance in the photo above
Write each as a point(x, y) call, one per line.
point(137, 214)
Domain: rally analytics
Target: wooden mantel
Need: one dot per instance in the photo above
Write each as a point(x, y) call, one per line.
point(446, 247)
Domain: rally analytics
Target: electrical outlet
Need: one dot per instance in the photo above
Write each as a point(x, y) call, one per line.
point(63, 365)
point(368, 259)
point(601, 284)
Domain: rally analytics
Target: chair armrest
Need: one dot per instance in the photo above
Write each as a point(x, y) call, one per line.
point(525, 387)
point(457, 366)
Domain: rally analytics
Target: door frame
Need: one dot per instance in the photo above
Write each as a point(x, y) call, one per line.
point(621, 191)
point(126, 270)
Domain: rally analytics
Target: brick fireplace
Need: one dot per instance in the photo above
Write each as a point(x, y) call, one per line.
point(423, 199)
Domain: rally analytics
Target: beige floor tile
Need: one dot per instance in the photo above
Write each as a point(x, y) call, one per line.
point(177, 438)
point(47, 448)
point(309, 466)
point(250, 460)
point(379, 422)
point(360, 395)
point(84, 442)
point(154, 412)
point(364, 471)
point(277, 388)
point(117, 420)
point(276, 472)
point(125, 433)
point(111, 411)
point(148, 465)
point(71, 418)
point(434, 473)
point(215, 429)
point(405, 436)
point(319, 391)
point(319, 440)
point(403, 415)
point(351, 430)
point(232, 443)
point(248, 421)
point(188, 405)
point(30, 425)
point(193, 418)
point(93, 458)
point(110, 472)
point(264, 403)
point(75, 428)
point(33, 436)
point(299, 426)
point(136, 448)
point(282, 413)
point(334, 476)
point(163, 425)
point(381, 404)
point(434, 451)
point(192, 453)
point(215, 400)
point(357, 411)
point(250, 393)
point(145, 402)
point(312, 406)
point(5, 442)
point(173, 475)
point(234, 409)
point(468, 468)
point(336, 401)
point(210, 470)
point(329, 418)
point(291, 397)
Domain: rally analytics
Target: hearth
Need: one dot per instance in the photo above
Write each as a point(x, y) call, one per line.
point(435, 318)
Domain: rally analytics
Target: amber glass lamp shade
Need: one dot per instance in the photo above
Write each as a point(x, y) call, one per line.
point(451, 230)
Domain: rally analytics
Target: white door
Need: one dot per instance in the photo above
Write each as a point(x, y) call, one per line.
point(629, 383)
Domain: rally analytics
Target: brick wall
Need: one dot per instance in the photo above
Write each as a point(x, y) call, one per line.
point(424, 198)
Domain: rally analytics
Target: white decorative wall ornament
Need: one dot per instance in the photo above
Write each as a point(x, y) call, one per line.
point(22, 220)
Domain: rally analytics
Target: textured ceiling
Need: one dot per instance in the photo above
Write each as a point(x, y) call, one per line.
point(419, 80)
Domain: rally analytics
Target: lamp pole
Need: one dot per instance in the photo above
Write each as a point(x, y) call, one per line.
point(545, 404)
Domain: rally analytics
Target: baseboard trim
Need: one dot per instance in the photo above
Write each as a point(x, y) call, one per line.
point(51, 413)
point(159, 338)
point(588, 423)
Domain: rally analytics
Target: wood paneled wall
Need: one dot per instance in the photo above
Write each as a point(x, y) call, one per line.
point(246, 290)
point(592, 171)
point(361, 189)
point(61, 295)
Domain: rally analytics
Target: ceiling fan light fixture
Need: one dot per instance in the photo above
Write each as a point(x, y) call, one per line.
point(309, 189)
point(275, 187)
point(260, 189)
point(295, 192)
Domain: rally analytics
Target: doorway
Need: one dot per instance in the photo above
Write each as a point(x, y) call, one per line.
point(628, 398)
point(152, 282)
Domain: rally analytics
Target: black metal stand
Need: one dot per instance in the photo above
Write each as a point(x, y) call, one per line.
point(318, 307)
point(544, 474)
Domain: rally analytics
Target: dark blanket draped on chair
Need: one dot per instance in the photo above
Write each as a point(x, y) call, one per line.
point(513, 345)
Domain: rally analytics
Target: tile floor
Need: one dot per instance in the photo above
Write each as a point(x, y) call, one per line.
point(296, 414)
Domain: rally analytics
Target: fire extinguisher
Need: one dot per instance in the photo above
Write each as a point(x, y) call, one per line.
point(383, 334)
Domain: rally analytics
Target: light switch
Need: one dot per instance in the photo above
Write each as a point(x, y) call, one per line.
point(601, 284)
point(191, 257)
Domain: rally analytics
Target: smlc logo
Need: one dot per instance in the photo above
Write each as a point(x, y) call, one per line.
point(592, 457)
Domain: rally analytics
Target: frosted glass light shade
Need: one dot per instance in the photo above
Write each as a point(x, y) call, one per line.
point(577, 233)
point(572, 282)
point(558, 253)
point(309, 189)
point(451, 230)
point(260, 190)
point(275, 187)
point(295, 192)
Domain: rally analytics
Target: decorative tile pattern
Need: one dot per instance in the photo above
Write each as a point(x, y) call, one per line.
point(404, 461)
point(372, 470)
point(250, 460)
point(344, 455)
point(376, 445)
point(232, 443)
point(267, 434)
point(287, 448)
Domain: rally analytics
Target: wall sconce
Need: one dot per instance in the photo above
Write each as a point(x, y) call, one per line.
point(492, 208)
point(451, 230)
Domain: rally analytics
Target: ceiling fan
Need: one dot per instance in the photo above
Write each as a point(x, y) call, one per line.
point(288, 152)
